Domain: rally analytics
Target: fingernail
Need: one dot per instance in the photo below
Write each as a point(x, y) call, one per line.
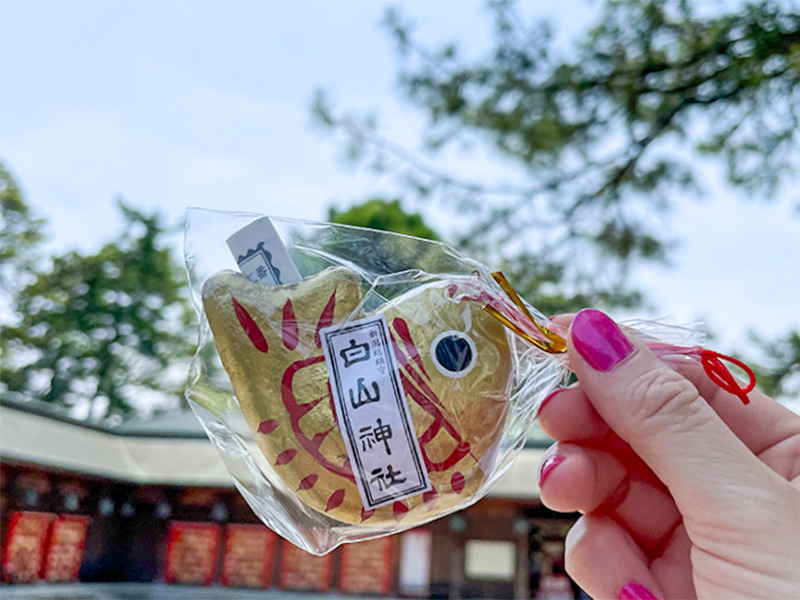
point(599, 340)
point(635, 591)
point(549, 397)
point(550, 463)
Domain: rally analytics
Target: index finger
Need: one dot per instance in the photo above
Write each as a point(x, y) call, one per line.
point(761, 425)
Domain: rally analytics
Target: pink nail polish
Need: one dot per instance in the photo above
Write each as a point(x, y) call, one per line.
point(549, 397)
point(599, 340)
point(635, 591)
point(550, 463)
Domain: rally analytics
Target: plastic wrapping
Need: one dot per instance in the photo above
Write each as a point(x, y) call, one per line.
point(470, 385)
point(359, 382)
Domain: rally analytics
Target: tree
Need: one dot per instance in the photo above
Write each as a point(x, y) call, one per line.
point(103, 329)
point(604, 136)
point(20, 235)
point(383, 215)
point(779, 376)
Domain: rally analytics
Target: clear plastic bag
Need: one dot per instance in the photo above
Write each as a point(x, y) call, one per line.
point(470, 385)
point(360, 383)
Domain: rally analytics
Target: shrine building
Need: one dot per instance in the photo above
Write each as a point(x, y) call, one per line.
point(151, 502)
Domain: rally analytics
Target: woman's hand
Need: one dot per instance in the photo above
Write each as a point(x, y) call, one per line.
point(685, 492)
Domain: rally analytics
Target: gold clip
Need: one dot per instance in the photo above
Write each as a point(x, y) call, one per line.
point(553, 343)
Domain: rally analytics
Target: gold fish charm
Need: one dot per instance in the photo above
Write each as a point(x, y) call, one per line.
point(268, 338)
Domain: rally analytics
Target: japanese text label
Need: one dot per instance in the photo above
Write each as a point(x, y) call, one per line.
point(372, 412)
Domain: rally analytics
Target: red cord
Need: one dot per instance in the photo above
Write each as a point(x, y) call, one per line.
point(719, 374)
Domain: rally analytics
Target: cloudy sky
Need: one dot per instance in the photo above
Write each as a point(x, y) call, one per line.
point(177, 103)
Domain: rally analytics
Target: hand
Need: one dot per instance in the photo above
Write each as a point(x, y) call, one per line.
point(685, 492)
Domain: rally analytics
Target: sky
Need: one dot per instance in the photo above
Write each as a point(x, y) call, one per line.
point(170, 104)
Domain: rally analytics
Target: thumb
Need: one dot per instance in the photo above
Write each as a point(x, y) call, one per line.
point(663, 418)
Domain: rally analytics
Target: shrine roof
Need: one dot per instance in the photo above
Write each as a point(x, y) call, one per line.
point(169, 449)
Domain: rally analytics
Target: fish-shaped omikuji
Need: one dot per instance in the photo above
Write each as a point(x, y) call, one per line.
point(268, 338)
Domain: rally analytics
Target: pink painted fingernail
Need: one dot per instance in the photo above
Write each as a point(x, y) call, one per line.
point(599, 340)
point(549, 397)
point(635, 591)
point(550, 463)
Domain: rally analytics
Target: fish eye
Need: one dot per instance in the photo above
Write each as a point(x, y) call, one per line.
point(454, 354)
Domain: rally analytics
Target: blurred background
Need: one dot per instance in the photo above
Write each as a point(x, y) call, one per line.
point(635, 156)
point(639, 156)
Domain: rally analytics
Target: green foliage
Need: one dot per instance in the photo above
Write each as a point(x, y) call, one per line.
point(102, 328)
point(779, 375)
point(384, 215)
point(20, 234)
point(605, 135)
point(379, 253)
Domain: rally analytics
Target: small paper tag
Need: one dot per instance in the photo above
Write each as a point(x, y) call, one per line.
point(262, 255)
point(372, 412)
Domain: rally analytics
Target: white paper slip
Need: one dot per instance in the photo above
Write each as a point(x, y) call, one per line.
point(262, 255)
point(372, 412)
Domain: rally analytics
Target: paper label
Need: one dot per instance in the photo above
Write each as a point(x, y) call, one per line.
point(262, 255)
point(372, 412)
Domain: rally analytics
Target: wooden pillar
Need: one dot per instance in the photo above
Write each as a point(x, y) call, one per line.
point(457, 567)
point(522, 578)
point(457, 524)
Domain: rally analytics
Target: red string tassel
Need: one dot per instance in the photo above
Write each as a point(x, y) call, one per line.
point(719, 374)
